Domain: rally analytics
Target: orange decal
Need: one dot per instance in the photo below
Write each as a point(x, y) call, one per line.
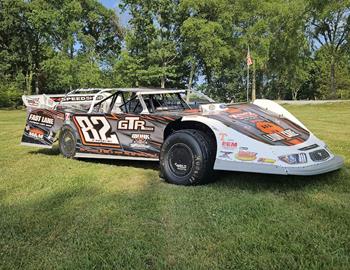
point(268, 127)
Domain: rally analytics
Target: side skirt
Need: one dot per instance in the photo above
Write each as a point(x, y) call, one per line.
point(87, 155)
point(36, 145)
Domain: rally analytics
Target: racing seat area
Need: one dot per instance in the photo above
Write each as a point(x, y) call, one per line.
point(116, 106)
point(133, 105)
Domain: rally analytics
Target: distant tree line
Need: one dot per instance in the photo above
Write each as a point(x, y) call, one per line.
point(300, 48)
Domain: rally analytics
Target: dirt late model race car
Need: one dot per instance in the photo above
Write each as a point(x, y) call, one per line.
point(158, 125)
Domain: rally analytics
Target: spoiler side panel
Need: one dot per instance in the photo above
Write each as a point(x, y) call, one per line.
point(41, 127)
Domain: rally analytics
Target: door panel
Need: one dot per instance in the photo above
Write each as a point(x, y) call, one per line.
point(130, 135)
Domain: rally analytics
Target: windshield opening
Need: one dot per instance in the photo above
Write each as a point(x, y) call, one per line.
point(165, 102)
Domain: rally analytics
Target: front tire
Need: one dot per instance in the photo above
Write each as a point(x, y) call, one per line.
point(67, 142)
point(186, 158)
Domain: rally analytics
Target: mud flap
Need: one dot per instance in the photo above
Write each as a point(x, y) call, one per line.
point(41, 127)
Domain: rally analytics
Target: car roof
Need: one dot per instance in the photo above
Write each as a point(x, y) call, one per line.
point(132, 90)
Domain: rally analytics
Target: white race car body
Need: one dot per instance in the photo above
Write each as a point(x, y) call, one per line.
point(134, 124)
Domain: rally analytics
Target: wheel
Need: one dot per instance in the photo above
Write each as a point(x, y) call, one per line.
point(67, 142)
point(186, 158)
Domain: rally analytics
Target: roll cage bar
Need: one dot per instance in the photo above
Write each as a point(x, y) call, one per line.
point(135, 93)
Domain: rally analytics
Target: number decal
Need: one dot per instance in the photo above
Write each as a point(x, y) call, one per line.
point(96, 130)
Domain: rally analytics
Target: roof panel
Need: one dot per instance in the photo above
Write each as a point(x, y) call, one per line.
point(134, 90)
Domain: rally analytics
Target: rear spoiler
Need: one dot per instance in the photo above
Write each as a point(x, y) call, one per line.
point(39, 101)
point(50, 101)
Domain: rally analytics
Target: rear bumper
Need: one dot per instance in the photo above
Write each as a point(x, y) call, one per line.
point(326, 166)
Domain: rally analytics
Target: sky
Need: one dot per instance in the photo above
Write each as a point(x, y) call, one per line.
point(124, 17)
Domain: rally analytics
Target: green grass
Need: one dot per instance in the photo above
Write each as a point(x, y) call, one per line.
point(57, 213)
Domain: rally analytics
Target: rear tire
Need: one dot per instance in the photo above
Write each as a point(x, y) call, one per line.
point(67, 142)
point(186, 158)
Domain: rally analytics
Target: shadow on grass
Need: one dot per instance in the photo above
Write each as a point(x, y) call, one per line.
point(125, 163)
point(270, 182)
point(46, 151)
point(88, 227)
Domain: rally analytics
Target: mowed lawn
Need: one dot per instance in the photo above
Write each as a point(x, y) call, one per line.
point(57, 213)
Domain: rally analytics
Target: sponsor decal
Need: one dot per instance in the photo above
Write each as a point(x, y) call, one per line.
point(244, 115)
point(278, 136)
point(211, 107)
point(266, 160)
point(96, 130)
point(75, 98)
point(35, 133)
point(140, 140)
point(226, 155)
point(117, 152)
point(133, 123)
point(232, 110)
point(245, 155)
point(41, 118)
point(274, 132)
point(33, 101)
point(227, 143)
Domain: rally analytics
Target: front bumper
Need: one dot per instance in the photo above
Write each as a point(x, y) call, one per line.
point(332, 164)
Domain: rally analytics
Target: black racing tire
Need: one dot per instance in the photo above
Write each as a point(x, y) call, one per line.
point(67, 142)
point(186, 158)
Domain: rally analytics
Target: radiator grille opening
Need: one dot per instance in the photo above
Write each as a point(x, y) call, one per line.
point(319, 155)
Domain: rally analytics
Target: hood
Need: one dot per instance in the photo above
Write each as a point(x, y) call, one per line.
point(261, 125)
point(254, 122)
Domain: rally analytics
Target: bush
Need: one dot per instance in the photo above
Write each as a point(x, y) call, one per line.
point(10, 96)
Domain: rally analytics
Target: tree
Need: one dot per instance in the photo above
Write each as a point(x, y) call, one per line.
point(56, 45)
point(153, 41)
point(329, 28)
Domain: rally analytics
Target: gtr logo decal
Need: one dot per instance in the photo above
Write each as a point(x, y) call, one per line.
point(133, 123)
point(96, 130)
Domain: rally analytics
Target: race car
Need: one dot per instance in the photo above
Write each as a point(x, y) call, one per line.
point(189, 143)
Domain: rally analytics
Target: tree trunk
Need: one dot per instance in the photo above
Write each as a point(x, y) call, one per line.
point(295, 94)
point(190, 83)
point(37, 85)
point(333, 85)
point(278, 90)
point(163, 77)
point(162, 82)
point(71, 56)
point(29, 79)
